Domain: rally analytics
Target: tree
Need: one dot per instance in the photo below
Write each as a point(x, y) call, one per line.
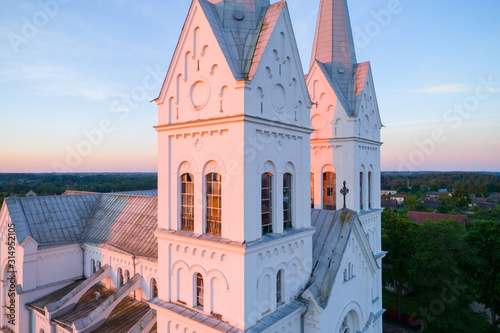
point(397, 240)
point(460, 195)
point(484, 237)
point(441, 275)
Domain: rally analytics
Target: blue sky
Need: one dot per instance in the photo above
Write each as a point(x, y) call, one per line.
point(69, 68)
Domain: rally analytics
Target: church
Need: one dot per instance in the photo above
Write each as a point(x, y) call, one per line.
point(267, 216)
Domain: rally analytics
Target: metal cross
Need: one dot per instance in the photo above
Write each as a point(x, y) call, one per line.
point(344, 190)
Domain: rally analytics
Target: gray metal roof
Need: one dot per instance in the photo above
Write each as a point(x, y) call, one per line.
point(121, 222)
point(329, 241)
point(51, 220)
point(124, 223)
point(147, 193)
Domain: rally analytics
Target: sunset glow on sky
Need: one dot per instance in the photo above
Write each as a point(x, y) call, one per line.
point(77, 78)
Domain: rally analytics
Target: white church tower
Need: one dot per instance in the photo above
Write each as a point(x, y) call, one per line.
point(345, 145)
point(234, 219)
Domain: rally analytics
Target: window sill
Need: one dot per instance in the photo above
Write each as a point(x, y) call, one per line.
point(349, 279)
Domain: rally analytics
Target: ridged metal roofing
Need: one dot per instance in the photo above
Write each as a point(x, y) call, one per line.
point(125, 223)
point(147, 193)
point(329, 241)
point(120, 222)
point(51, 220)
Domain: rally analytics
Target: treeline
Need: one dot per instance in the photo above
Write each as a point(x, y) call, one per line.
point(49, 184)
point(474, 183)
point(444, 269)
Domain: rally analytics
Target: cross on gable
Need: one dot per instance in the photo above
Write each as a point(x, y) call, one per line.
point(344, 190)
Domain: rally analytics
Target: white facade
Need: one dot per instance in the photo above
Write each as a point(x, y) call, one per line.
point(247, 145)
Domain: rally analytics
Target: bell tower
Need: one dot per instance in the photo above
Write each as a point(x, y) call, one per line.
point(234, 220)
point(345, 145)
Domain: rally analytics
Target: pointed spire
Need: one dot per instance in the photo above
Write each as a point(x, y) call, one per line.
point(333, 40)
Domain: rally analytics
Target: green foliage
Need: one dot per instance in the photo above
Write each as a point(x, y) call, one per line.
point(474, 183)
point(489, 215)
point(484, 236)
point(441, 275)
point(403, 190)
point(396, 239)
point(460, 195)
point(48, 184)
point(419, 207)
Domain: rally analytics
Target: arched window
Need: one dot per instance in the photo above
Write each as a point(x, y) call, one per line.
point(369, 190)
point(361, 191)
point(312, 190)
point(267, 203)
point(287, 201)
point(98, 265)
point(187, 202)
point(42, 331)
point(214, 205)
point(329, 191)
point(279, 287)
point(345, 326)
point(92, 266)
point(154, 288)
point(199, 290)
point(119, 277)
point(127, 276)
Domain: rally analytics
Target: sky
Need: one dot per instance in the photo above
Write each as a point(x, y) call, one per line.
point(77, 78)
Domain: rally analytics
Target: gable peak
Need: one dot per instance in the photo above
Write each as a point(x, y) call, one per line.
point(240, 14)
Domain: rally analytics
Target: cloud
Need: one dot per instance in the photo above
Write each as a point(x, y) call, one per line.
point(442, 89)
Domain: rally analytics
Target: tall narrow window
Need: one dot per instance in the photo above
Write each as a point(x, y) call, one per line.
point(214, 208)
point(279, 287)
point(119, 277)
point(98, 265)
point(154, 288)
point(287, 201)
point(369, 190)
point(187, 202)
point(199, 290)
point(92, 265)
point(361, 191)
point(312, 190)
point(329, 191)
point(127, 276)
point(267, 203)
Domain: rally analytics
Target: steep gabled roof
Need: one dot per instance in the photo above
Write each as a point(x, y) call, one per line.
point(270, 20)
point(333, 231)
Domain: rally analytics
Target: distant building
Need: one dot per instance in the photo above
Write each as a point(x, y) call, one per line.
point(31, 194)
point(388, 192)
point(433, 203)
point(486, 205)
point(420, 217)
point(475, 201)
point(434, 194)
point(400, 198)
point(391, 203)
point(494, 196)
